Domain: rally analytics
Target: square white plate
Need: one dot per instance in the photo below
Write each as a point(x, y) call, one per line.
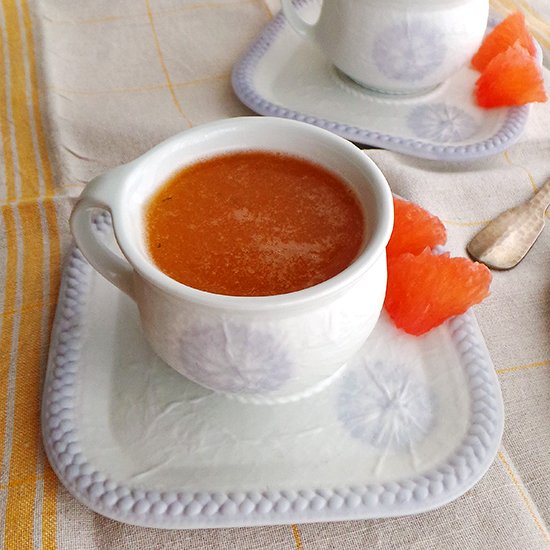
point(412, 424)
point(283, 74)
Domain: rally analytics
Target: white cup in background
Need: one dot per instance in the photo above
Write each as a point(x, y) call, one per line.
point(396, 46)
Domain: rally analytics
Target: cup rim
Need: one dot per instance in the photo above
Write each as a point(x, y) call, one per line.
point(368, 256)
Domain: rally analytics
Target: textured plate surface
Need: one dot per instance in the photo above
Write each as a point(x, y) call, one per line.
point(285, 75)
point(412, 424)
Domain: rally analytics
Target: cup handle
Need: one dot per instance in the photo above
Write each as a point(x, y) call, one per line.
point(96, 196)
point(304, 29)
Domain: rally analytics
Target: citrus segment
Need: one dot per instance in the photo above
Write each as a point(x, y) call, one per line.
point(513, 77)
point(414, 229)
point(425, 290)
point(511, 31)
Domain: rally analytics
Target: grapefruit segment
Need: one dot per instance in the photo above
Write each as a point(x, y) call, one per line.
point(425, 290)
point(513, 77)
point(414, 229)
point(509, 32)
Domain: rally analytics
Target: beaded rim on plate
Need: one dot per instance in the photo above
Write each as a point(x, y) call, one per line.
point(183, 509)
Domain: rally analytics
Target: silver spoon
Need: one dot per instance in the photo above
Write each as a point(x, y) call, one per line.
point(504, 242)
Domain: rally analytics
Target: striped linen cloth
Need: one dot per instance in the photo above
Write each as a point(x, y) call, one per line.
point(86, 86)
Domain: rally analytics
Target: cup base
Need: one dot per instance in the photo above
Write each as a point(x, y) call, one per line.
point(371, 90)
point(258, 399)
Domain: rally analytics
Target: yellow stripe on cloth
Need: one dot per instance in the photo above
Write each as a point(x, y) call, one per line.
point(8, 321)
point(26, 159)
point(297, 537)
point(11, 259)
point(38, 237)
point(49, 504)
point(517, 368)
point(9, 174)
point(163, 64)
point(40, 134)
point(524, 497)
point(19, 528)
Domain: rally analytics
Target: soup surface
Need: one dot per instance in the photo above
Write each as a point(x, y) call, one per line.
point(254, 224)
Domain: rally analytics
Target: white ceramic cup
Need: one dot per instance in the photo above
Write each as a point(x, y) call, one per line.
point(260, 349)
point(396, 46)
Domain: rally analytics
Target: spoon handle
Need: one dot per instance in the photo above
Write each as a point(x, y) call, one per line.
point(541, 200)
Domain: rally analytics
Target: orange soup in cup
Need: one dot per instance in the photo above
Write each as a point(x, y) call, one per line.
point(254, 224)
